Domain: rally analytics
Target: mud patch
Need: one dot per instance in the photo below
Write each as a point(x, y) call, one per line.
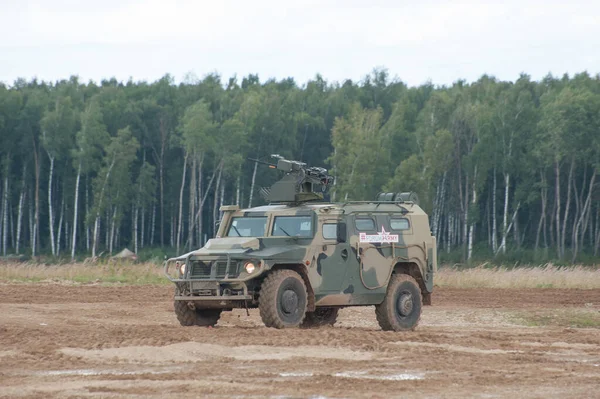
point(298, 375)
point(92, 372)
point(195, 352)
point(388, 377)
point(455, 348)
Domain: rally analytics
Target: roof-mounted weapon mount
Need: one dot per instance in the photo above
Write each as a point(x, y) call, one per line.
point(299, 184)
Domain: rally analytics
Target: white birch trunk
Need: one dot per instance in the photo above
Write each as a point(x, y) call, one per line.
point(142, 232)
point(135, 228)
point(20, 216)
point(192, 204)
point(222, 196)
point(152, 224)
point(252, 184)
point(87, 214)
point(5, 214)
point(180, 224)
point(12, 225)
point(107, 229)
point(198, 218)
point(200, 204)
point(567, 205)
point(112, 230)
point(60, 224)
point(505, 216)
point(97, 221)
point(494, 216)
point(60, 221)
point(216, 201)
point(580, 221)
point(50, 210)
point(31, 220)
point(75, 210)
point(557, 222)
point(237, 191)
point(543, 212)
point(472, 227)
point(509, 228)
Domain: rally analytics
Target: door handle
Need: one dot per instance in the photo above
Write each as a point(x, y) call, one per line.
point(344, 254)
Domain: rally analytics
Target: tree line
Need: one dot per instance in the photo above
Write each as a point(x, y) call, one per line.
point(501, 167)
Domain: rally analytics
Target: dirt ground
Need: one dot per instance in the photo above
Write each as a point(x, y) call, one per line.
point(96, 341)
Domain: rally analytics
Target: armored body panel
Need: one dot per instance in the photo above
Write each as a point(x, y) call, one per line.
point(345, 255)
point(299, 260)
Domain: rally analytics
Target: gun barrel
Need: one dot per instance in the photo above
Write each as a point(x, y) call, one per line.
point(270, 165)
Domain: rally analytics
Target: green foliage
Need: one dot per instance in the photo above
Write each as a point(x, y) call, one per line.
point(360, 158)
point(155, 159)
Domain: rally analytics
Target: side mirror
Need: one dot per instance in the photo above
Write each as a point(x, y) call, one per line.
point(341, 232)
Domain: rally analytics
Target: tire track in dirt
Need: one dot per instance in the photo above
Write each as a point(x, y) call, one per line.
point(118, 341)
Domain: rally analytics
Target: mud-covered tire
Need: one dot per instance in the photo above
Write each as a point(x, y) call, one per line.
point(401, 308)
point(195, 317)
point(320, 317)
point(283, 299)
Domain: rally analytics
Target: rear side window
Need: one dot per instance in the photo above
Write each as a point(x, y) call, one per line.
point(363, 224)
point(330, 231)
point(399, 224)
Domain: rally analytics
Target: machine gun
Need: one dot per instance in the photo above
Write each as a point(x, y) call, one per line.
point(299, 184)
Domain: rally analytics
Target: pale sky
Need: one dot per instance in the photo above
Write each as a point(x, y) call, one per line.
point(417, 41)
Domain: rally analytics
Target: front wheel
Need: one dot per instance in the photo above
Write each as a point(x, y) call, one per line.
point(283, 299)
point(191, 316)
point(401, 308)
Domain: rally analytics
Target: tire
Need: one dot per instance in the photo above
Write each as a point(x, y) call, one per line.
point(401, 308)
point(320, 317)
point(188, 316)
point(283, 299)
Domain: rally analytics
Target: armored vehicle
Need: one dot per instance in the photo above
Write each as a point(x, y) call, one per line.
point(301, 259)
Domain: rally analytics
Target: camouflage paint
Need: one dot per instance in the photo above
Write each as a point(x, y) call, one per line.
point(339, 273)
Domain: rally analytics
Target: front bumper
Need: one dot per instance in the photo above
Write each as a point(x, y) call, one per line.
point(220, 281)
point(207, 290)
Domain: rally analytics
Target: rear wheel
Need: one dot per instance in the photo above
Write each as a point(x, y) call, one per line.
point(401, 308)
point(188, 315)
point(283, 299)
point(320, 317)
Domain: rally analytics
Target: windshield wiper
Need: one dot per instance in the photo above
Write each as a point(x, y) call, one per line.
point(236, 230)
point(286, 233)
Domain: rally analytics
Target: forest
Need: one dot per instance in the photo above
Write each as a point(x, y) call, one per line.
point(506, 170)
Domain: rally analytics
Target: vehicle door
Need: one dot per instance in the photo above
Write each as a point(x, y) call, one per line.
point(376, 248)
point(333, 257)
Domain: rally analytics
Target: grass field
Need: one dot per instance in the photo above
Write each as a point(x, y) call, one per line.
point(544, 276)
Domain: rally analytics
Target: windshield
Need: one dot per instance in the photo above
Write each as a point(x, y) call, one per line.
point(292, 226)
point(247, 227)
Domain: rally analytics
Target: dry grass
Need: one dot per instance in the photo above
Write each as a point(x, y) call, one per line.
point(580, 318)
point(546, 276)
point(112, 272)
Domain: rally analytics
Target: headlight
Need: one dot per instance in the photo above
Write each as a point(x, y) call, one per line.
point(182, 269)
point(250, 267)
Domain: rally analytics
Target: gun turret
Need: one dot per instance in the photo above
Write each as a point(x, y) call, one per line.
point(299, 184)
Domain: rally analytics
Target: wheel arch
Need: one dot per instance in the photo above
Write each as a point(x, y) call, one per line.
point(413, 270)
point(301, 270)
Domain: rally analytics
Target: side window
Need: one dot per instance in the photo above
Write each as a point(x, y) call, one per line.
point(330, 231)
point(400, 224)
point(292, 226)
point(364, 224)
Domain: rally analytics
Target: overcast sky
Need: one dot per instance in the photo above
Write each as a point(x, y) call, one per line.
point(416, 41)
